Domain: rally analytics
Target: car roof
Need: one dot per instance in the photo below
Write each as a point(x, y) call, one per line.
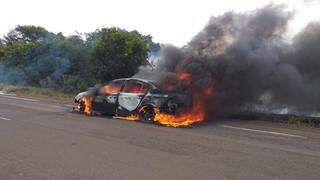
point(137, 79)
point(152, 83)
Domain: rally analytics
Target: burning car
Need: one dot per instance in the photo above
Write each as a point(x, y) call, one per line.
point(134, 99)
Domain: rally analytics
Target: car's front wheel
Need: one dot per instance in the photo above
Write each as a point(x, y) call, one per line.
point(147, 114)
point(81, 106)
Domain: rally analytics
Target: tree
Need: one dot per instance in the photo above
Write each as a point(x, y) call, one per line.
point(152, 46)
point(36, 57)
point(118, 53)
point(26, 33)
point(1, 49)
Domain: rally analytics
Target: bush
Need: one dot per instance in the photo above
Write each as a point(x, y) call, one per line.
point(33, 56)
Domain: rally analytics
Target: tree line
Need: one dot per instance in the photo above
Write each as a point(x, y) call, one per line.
point(33, 56)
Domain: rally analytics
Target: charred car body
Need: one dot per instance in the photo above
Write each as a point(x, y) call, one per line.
point(129, 97)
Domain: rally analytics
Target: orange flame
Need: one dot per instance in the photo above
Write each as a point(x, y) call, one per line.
point(184, 75)
point(110, 90)
point(180, 77)
point(196, 113)
point(87, 105)
point(184, 119)
point(129, 118)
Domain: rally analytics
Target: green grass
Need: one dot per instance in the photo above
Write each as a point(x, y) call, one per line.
point(35, 92)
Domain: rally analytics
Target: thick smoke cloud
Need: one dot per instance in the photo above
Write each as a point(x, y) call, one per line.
point(250, 62)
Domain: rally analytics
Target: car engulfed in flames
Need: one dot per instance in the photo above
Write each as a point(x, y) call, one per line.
point(138, 99)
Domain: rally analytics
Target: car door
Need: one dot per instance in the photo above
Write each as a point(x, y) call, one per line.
point(131, 96)
point(106, 100)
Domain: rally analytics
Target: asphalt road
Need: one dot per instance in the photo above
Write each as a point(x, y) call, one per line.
point(42, 140)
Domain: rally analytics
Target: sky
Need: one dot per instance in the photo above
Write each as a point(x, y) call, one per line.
point(168, 21)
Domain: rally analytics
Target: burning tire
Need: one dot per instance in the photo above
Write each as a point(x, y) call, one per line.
point(81, 107)
point(139, 100)
point(147, 114)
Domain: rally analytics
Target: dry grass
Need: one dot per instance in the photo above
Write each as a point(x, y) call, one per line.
point(35, 92)
point(279, 118)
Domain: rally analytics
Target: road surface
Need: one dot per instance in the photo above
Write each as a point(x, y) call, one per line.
point(42, 140)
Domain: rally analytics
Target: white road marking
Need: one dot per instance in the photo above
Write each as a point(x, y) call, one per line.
point(262, 131)
point(6, 93)
point(19, 98)
point(6, 119)
point(3, 93)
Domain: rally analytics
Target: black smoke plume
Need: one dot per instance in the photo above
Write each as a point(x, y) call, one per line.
point(251, 62)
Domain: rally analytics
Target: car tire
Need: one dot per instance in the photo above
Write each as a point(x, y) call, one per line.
point(82, 106)
point(172, 106)
point(147, 114)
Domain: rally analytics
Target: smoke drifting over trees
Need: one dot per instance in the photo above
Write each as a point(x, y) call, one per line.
point(33, 56)
point(250, 61)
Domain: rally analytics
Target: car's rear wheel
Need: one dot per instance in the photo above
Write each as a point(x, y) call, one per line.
point(147, 114)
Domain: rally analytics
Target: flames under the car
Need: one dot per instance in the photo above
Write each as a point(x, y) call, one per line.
point(193, 113)
point(196, 114)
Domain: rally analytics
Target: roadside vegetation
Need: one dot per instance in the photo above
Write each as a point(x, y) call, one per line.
point(32, 58)
point(290, 119)
point(31, 91)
